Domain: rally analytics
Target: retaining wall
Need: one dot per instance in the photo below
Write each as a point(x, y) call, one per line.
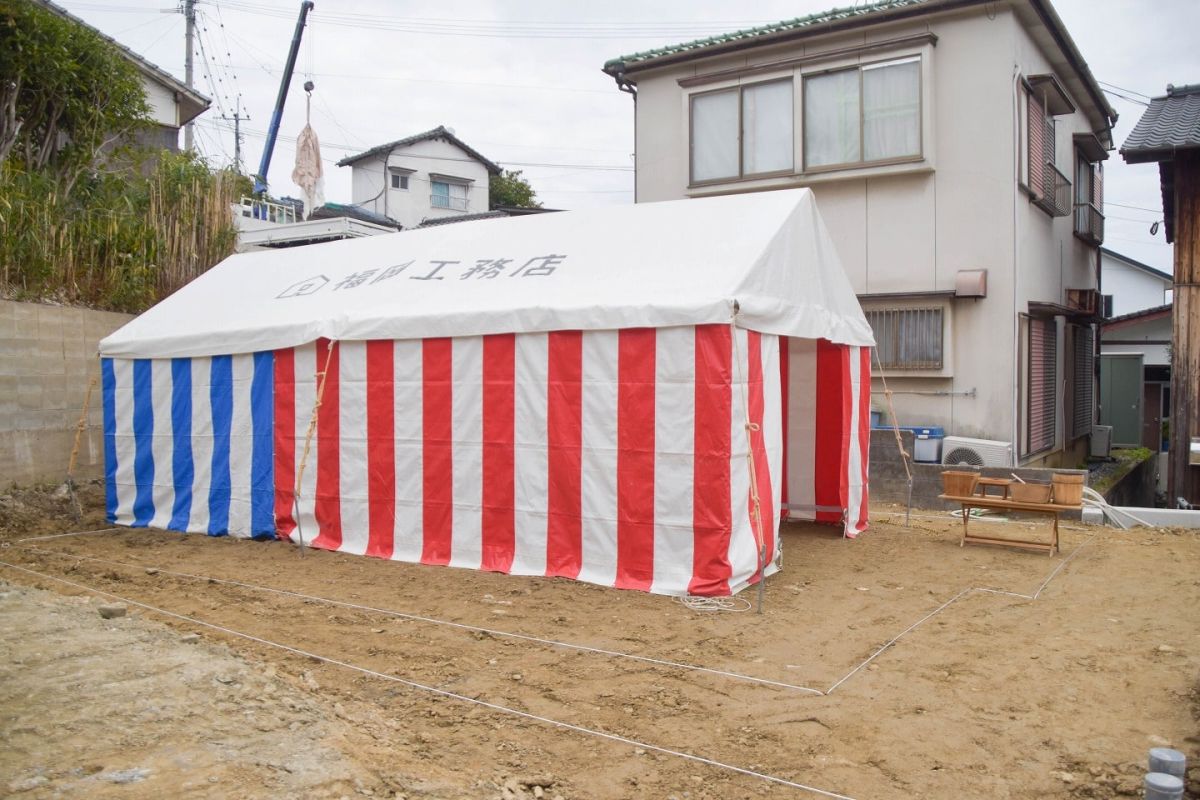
point(47, 357)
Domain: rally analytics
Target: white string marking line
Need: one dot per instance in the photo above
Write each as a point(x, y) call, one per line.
point(960, 595)
point(443, 692)
point(60, 535)
point(458, 625)
point(895, 639)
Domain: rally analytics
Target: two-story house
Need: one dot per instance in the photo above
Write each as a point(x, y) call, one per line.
point(955, 149)
point(429, 176)
point(172, 103)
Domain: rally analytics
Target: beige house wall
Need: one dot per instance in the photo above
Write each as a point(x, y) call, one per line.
point(47, 358)
point(910, 228)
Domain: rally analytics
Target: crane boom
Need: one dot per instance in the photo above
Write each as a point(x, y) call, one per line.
point(260, 180)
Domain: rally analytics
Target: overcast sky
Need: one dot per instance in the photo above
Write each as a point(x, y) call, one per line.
point(521, 81)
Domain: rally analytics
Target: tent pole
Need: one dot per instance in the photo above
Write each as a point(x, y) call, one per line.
point(308, 434)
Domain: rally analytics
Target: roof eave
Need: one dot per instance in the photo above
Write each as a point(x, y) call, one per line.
point(614, 66)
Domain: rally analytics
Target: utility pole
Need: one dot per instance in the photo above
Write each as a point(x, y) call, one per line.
point(189, 17)
point(237, 118)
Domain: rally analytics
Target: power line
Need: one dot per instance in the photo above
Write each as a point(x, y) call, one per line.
point(500, 29)
point(355, 149)
point(1123, 89)
point(1126, 98)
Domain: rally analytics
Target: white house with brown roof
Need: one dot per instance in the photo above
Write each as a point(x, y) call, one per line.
point(172, 103)
point(429, 176)
point(955, 150)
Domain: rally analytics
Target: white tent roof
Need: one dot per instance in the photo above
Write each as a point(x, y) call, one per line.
point(652, 265)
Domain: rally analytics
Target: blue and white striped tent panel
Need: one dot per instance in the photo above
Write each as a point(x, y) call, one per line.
point(188, 443)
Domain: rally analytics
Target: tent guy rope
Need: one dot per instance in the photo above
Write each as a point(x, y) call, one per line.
point(308, 435)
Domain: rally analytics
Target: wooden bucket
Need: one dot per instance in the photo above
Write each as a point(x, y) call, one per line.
point(959, 483)
point(1068, 488)
point(1029, 492)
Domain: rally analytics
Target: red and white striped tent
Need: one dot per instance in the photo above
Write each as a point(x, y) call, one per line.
point(629, 396)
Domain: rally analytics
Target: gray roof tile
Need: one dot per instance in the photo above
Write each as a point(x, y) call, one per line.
point(1172, 122)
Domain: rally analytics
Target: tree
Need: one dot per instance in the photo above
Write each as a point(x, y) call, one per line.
point(510, 189)
point(67, 95)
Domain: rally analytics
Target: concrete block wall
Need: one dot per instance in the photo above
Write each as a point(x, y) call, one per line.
point(47, 358)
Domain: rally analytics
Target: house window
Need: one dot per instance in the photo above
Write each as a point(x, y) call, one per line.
point(742, 131)
point(448, 195)
point(1043, 347)
point(1107, 302)
point(863, 115)
point(907, 338)
point(399, 181)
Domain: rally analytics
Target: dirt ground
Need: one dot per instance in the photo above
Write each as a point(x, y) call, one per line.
point(994, 696)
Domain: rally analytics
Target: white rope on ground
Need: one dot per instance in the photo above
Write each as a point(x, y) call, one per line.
point(695, 603)
point(434, 621)
point(61, 535)
point(442, 692)
point(895, 639)
point(960, 595)
point(584, 648)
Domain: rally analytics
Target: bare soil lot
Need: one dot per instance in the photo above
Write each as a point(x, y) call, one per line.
point(993, 696)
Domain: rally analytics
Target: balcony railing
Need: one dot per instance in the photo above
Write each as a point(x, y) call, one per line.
point(1055, 195)
point(444, 201)
point(279, 213)
point(1089, 223)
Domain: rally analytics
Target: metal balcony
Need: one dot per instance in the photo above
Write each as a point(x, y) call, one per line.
point(1089, 223)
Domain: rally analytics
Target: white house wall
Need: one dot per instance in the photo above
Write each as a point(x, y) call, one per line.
point(1132, 289)
point(163, 108)
point(910, 228)
point(1150, 337)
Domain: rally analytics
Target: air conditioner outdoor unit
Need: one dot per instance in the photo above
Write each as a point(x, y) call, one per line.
point(1101, 441)
point(976, 452)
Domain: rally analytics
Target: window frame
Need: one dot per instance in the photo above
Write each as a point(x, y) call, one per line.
point(739, 89)
point(898, 313)
point(919, 58)
point(399, 182)
point(450, 198)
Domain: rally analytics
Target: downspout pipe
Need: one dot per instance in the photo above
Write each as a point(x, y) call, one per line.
point(260, 179)
point(1016, 351)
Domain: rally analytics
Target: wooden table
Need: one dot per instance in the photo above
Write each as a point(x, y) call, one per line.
point(1000, 483)
point(976, 501)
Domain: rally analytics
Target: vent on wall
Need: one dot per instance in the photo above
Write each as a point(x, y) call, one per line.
point(959, 450)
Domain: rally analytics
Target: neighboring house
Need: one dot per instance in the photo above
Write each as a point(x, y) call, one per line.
point(1128, 285)
point(427, 177)
point(172, 103)
point(1135, 376)
point(955, 150)
point(1169, 134)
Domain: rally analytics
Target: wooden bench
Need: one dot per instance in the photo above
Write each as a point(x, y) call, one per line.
point(977, 501)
